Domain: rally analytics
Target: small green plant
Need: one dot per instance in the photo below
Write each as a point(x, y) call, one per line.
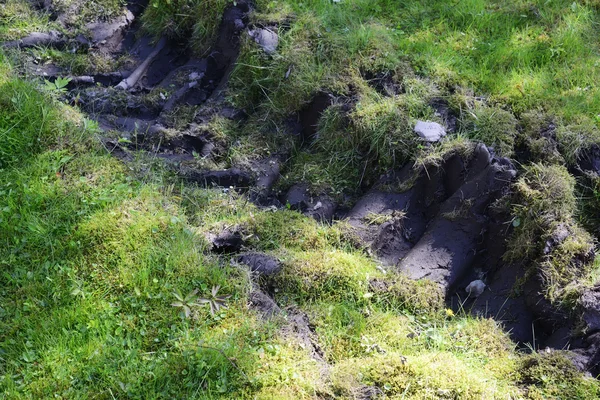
point(215, 302)
point(185, 302)
point(59, 86)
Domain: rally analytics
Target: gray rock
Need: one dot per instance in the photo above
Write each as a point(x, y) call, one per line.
point(475, 288)
point(430, 131)
point(590, 301)
point(266, 39)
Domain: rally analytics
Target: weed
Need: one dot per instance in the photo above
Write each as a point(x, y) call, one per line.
point(215, 302)
point(59, 86)
point(185, 302)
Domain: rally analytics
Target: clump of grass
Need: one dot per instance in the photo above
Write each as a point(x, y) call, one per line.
point(547, 193)
point(435, 155)
point(553, 375)
point(256, 82)
point(354, 147)
point(176, 19)
point(537, 134)
point(401, 293)
point(308, 276)
point(574, 139)
point(491, 125)
point(544, 207)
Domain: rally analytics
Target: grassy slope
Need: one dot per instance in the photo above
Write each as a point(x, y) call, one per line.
point(91, 250)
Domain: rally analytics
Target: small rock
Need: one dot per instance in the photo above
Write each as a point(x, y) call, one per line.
point(590, 300)
point(430, 131)
point(266, 39)
point(475, 288)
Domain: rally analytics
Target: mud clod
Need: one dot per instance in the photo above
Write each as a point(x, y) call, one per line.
point(262, 264)
point(48, 39)
point(319, 207)
point(228, 241)
point(590, 302)
point(264, 305)
point(299, 328)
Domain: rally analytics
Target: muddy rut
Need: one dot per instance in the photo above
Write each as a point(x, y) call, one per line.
point(439, 223)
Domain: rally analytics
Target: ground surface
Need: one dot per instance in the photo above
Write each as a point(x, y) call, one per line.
point(214, 199)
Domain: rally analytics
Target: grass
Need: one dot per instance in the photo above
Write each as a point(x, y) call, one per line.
point(198, 18)
point(545, 205)
point(92, 250)
point(493, 63)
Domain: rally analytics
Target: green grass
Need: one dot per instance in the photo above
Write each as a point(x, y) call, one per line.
point(19, 19)
point(197, 19)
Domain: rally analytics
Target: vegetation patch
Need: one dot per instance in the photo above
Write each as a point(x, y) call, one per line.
point(111, 285)
point(544, 207)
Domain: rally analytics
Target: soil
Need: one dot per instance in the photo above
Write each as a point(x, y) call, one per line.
point(262, 264)
point(438, 222)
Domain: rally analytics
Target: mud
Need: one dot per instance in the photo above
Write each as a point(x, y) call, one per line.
point(320, 207)
point(383, 82)
point(261, 264)
point(35, 39)
point(299, 329)
point(228, 241)
point(264, 305)
point(308, 117)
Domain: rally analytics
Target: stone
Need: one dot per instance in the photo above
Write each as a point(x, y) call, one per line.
point(590, 300)
point(475, 288)
point(266, 39)
point(430, 131)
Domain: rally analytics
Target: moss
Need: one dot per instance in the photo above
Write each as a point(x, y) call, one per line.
point(440, 375)
point(401, 293)
point(312, 275)
point(292, 230)
point(553, 375)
